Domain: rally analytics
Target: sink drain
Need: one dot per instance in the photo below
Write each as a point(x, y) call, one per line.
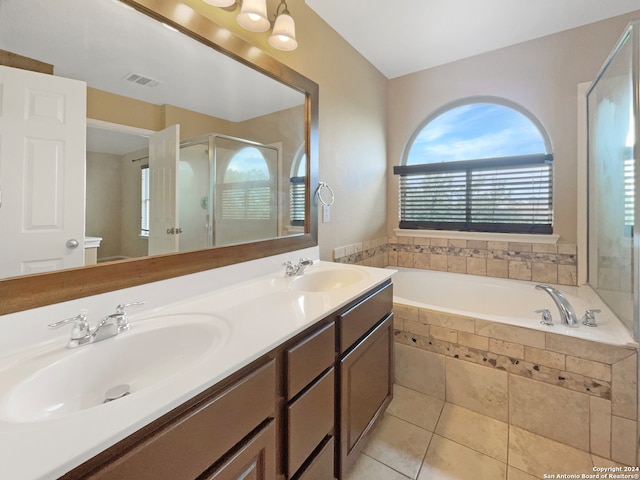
point(116, 392)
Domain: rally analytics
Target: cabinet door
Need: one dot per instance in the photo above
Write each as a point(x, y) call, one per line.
point(366, 379)
point(256, 460)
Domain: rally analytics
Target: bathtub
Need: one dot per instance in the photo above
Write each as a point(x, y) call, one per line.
point(511, 302)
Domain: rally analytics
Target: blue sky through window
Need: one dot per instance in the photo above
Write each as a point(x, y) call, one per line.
point(475, 131)
point(246, 165)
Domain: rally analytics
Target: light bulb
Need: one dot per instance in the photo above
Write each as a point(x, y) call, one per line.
point(220, 3)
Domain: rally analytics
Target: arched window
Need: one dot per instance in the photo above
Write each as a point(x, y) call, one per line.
point(246, 191)
point(479, 164)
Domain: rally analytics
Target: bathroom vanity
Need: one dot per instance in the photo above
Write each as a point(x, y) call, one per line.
point(290, 391)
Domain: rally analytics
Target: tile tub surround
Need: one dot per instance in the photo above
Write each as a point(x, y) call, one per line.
point(536, 262)
point(576, 392)
point(370, 253)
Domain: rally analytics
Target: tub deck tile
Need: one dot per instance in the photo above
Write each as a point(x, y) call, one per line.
point(445, 320)
point(577, 347)
point(510, 333)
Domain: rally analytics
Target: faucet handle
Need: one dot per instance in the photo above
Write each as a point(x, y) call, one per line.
point(122, 319)
point(121, 308)
point(305, 261)
point(80, 327)
point(589, 318)
point(290, 269)
point(547, 319)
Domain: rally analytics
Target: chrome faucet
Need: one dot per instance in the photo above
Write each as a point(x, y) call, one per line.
point(567, 313)
point(109, 326)
point(291, 270)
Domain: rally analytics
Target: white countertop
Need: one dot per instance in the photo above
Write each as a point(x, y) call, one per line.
point(262, 313)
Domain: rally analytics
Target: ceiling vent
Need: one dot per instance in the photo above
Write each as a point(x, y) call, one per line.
point(142, 80)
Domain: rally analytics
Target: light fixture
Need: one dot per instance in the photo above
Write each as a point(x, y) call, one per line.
point(253, 17)
point(283, 35)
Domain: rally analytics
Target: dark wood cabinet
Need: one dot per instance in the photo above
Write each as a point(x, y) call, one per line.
point(365, 388)
point(365, 371)
point(300, 412)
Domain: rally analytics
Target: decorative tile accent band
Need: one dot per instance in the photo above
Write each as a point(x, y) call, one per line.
point(536, 262)
point(370, 253)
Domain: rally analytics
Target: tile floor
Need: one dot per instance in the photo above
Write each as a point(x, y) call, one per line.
point(425, 438)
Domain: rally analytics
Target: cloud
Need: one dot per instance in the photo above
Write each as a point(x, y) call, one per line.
point(474, 132)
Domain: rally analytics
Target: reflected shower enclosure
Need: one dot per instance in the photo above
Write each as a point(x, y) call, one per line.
point(612, 105)
point(228, 192)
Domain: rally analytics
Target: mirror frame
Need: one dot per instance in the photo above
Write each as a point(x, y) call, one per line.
point(32, 291)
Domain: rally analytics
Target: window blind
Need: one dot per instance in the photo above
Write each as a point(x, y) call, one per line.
point(629, 196)
point(510, 194)
point(296, 200)
point(246, 200)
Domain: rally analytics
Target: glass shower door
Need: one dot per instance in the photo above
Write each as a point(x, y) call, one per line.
point(246, 191)
point(610, 104)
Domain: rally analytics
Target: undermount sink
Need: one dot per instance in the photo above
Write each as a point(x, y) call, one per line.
point(63, 381)
point(319, 279)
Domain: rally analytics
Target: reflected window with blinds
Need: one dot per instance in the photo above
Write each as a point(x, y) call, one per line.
point(483, 167)
point(297, 188)
point(247, 188)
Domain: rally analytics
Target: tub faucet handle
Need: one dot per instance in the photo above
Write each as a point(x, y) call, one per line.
point(546, 316)
point(589, 318)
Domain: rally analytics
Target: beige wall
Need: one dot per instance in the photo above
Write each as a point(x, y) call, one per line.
point(541, 75)
point(352, 121)
point(103, 199)
point(360, 141)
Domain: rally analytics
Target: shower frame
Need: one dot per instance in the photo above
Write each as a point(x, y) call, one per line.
point(210, 139)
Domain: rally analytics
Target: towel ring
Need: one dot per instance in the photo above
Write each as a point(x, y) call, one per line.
point(321, 186)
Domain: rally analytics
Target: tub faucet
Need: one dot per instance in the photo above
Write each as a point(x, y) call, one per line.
point(567, 313)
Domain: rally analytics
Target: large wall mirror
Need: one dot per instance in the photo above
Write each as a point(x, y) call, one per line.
point(140, 141)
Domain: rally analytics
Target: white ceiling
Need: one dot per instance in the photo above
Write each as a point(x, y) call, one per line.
point(103, 41)
point(405, 36)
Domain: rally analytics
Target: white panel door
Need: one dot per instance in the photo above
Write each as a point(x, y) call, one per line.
point(164, 157)
point(42, 172)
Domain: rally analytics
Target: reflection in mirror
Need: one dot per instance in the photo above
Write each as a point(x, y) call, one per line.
point(181, 147)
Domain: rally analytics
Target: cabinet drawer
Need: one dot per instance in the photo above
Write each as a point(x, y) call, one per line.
point(309, 419)
point(255, 460)
point(309, 358)
point(322, 466)
point(195, 440)
point(358, 320)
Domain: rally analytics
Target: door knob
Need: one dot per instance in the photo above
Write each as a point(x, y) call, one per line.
point(72, 243)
